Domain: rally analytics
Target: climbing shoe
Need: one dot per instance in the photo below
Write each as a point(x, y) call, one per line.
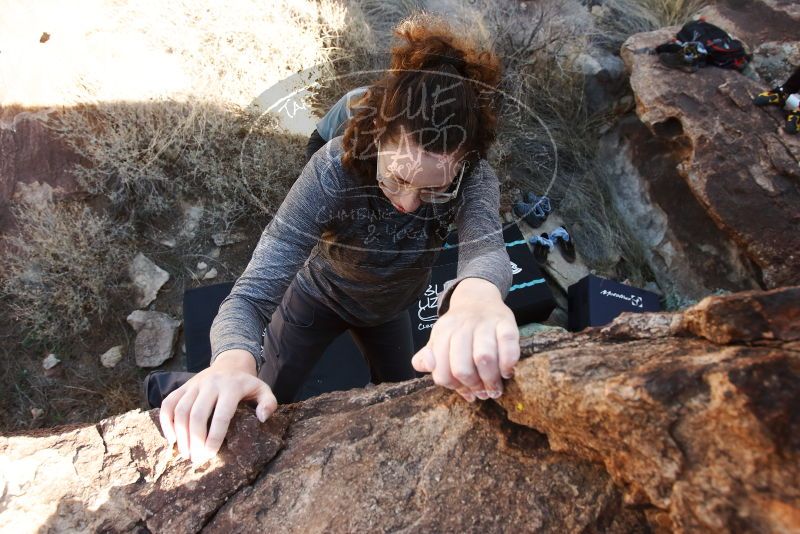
point(792, 120)
point(533, 210)
point(529, 214)
point(561, 238)
point(774, 97)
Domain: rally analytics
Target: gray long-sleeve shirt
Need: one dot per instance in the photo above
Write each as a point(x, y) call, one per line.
point(352, 250)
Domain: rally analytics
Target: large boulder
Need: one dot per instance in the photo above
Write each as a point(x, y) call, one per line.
point(734, 158)
point(658, 422)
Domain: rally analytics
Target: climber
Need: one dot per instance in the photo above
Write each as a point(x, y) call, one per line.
point(787, 96)
point(334, 121)
point(353, 244)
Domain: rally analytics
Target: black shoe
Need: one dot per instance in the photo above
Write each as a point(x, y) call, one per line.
point(563, 240)
point(792, 120)
point(540, 249)
point(526, 212)
point(157, 385)
point(773, 97)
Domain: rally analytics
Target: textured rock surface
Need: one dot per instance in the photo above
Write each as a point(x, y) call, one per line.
point(705, 436)
point(425, 461)
point(657, 422)
point(147, 277)
point(688, 254)
point(735, 159)
point(119, 476)
point(156, 333)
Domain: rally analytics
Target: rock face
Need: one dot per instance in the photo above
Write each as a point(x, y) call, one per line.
point(706, 436)
point(658, 422)
point(119, 476)
point(733, 158)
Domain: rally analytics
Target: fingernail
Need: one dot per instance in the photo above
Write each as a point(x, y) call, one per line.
point(494, 394)
point(482, 395)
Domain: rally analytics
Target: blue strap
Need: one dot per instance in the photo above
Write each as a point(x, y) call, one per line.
point(537, 239)
point(541, 207)
point(559, 233)
point(447, 245)
point(523, 285)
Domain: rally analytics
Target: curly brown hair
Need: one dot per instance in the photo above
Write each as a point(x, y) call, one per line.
point(428, 61)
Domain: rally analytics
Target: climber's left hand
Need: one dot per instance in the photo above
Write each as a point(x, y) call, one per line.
point(474, 345)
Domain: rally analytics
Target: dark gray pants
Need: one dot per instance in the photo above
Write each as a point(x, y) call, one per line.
point(315, 142)
point(301, 329)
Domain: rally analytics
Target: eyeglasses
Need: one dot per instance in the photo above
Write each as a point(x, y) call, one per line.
point(427, 195)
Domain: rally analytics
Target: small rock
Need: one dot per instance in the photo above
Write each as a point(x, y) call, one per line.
point(210, 274)
point(112, 356)
point(214, 252)
point(147, 277)
point(50, 362)
point(227, 238)
point(201, 266)
point(168, 242)
point(192, 216)
point(37, 412)
point(156, 333)
point(34, 193)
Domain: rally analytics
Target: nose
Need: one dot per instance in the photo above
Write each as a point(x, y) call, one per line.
point(408, 202)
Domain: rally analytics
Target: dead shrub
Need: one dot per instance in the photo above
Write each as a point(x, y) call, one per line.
point(64, 268)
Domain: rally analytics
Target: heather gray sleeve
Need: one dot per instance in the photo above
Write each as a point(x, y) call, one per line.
point(481, 250)
point(283, 248)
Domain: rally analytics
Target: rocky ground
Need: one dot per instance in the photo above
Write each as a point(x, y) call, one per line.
point(659, 422)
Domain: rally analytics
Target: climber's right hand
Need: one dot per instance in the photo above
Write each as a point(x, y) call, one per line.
point(219, 388)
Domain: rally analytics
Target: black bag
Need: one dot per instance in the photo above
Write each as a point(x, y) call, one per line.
point(700, 43)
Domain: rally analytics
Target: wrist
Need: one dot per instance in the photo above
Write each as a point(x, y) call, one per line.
point(236, 359)
point(474, 289)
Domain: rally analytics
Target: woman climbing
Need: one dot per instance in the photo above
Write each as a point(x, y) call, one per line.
point(353, 244)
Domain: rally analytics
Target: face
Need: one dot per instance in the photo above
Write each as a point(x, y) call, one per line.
point(404, 170)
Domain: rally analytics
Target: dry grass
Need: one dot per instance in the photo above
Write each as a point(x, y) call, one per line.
point(64, 268)
point(145, 158)
point(548, 138)
point(619, 19)
point(160, 108)
point(78, 389)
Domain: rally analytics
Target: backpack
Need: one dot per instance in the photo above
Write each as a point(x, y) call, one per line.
point(700, 43)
